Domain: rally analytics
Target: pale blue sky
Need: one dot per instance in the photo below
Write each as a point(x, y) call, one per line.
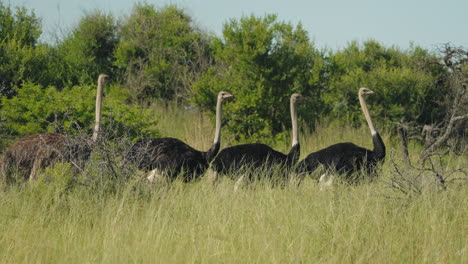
point(330, 23)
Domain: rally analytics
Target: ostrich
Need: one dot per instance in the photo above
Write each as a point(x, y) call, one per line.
point(31, 153)
point(250, 156)
point(167, 157)
point(346, 158)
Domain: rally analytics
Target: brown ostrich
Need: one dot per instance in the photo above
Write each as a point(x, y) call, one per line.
point(29, 154)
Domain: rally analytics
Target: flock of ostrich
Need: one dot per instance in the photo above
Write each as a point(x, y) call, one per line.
point(164, 159)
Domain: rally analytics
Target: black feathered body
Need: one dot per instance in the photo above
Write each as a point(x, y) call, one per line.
point(345, 158)
point(252, 156)
point(172, 156)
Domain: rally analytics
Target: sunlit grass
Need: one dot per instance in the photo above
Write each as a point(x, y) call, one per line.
point(199, 223)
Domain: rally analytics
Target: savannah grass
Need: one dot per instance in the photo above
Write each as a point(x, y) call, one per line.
point(57, 220)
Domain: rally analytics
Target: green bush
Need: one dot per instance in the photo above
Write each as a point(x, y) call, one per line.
point(72, 111)
point(87, 51)
point(262, 62)
point(404, 82)
point(84, 53)
point(161, 52)
point(22, 58)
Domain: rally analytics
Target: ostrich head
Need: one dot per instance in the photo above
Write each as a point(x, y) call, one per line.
point(224, 95)
point(103, 78)
point(365, 91)
point(295, 97)
point(221, 97)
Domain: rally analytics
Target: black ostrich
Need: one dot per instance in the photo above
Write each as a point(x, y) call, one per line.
point(29, 154)
point(167, 157)
point(346, 158)
point(251, 156)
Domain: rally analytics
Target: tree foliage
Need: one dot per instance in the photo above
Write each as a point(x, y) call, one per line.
point(161, 51)
point(404, 83)
point(87, 51)
point(262, 62)
point(21, 57)
point(36, 109)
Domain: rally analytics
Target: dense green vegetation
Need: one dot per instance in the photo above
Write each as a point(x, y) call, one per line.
point(406, 83)
point(36, 109)
point(160, 54)
point(262, 62)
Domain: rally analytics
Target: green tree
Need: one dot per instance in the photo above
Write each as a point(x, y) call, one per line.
point(404, 83)
point(161, 51)
point(262, 62)
point(21, 57)
point(86, 52)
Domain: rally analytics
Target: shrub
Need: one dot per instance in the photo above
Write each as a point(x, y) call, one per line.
point(261, 62)
point(403, 81)
point(21, 57)
point(161, 51)
point(87, 51)
point(36, 109)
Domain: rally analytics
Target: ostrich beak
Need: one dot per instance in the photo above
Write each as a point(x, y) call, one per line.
point(228, 96)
